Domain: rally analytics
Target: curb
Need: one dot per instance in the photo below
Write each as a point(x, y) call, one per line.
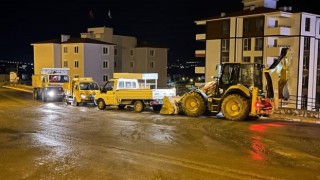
point(286, 117)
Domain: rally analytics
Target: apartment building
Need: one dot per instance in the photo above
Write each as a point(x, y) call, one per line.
point(257, 34)
point(131, 56)
point(83, 56)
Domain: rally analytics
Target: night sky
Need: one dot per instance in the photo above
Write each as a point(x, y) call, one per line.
point(165, 23)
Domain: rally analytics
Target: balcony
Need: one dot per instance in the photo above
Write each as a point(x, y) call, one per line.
point(200, 53)
point(274, 51)
point(279, 30)
point(200, 37)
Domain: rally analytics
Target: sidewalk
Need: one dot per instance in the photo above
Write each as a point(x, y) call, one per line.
point(295, 118)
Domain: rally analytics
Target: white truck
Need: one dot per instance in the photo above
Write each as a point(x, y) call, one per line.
point(133, 89)
point(81, 90)
point(50, 84)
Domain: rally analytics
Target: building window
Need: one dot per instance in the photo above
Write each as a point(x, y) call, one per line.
point(65, 49)
point(131, 52)
point(152, 64)
point(258, 60)
point(259, 25)
point(105, 50)
point(131, 64)
point(258, 46)
point(305, 81)
point(76, 64)
point(246, 59)
point(76, 76)
point(306, 62)
point(246, 25)
point(65, 63)
point(76, 49)
point(152, 52)
point(105, 64)
point(225, 45)
point(318, 80)
point(115, 64)
point(105, 78)
point(247, 44)
point(225, 27)
point(115, 51)
point(307, 25)
point(225, 59)
point(307, 43)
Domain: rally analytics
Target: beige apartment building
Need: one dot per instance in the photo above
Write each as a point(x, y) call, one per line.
point(99, 53)
point(257, 34)
point(129, 56)
point(83, 56)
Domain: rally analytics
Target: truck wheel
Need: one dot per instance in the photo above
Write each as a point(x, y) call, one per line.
point(193, 104)
point(138, 106)
point(157, 108)
point(101, 104)
point(121, 107)
point(235, 107)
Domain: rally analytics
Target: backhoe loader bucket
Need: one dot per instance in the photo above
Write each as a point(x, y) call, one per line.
point(170, 105)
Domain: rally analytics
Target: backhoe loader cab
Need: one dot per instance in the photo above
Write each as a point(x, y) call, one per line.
point(239, 74)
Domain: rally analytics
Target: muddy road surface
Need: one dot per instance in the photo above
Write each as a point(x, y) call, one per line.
point(52, 140)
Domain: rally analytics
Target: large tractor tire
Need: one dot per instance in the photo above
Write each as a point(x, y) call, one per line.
point(138, 106)
point(193, 104)
point(235, 107)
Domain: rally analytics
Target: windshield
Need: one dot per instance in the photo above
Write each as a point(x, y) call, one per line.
point(89, 86)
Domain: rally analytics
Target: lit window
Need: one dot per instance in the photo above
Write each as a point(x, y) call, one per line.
point(225, 45)
point(247, 44)
point(105, 64)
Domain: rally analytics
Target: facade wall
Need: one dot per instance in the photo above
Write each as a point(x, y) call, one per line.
point(94, 62)
point(44, 57)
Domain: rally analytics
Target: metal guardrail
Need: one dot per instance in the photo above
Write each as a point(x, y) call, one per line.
point(300, 101)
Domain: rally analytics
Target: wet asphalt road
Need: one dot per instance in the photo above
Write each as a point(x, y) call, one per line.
point(54, 141)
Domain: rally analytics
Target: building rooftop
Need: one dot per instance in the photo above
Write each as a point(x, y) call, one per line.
point(73, 40)
point(257, 10)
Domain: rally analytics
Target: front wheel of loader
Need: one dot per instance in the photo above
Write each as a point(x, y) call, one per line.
point(235, 107)
point(193, 104)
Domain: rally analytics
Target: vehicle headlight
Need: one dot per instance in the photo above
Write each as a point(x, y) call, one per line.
point(51, 93)
point(220, 90)
point(83, 96)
